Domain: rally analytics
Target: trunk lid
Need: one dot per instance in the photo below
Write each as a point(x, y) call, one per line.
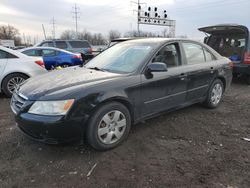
point(229, 40)
point(225, 29)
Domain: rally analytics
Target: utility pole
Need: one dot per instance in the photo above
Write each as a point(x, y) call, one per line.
point(138, 25)
point(53, 28)
point(76, 14)
point(138, 13)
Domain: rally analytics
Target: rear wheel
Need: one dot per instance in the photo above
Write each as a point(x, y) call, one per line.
point(11, 81)
point(248, 79)
point(215, 93)
point(109, 126)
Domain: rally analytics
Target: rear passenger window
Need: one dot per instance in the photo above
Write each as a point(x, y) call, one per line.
point(31, 52)
point(47, 44)
point(79, 44)
point(169, 55)
point(5, 55)
point(61, 44)
point(194, 53)
point(48, 52)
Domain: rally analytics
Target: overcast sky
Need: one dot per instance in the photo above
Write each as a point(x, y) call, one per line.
point(104, 15)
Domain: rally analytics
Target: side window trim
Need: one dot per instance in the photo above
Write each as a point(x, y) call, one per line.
point(178, 51)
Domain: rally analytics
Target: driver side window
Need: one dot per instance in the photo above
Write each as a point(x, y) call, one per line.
point(169, 55)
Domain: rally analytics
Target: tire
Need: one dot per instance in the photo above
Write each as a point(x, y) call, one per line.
point(10, 81)
point(248, 79)
point(104, 132)
point(214, 95)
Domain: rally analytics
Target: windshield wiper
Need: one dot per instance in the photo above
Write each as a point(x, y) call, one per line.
point(95, 68)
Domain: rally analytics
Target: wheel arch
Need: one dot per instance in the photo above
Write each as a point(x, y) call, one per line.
point(124, 101)
point(1, 84)
point(223, 80)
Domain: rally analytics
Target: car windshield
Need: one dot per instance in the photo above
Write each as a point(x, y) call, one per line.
point(121, 58)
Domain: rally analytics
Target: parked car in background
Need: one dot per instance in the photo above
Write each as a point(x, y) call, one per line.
point(232, 41)
point(16, 67)
point(127, 83)
point(54, 57)
point(75, 46)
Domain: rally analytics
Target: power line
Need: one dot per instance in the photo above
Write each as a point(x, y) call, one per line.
point(76, 16)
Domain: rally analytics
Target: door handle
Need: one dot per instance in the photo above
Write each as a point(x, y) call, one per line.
point(212, 70)
point(183, 76)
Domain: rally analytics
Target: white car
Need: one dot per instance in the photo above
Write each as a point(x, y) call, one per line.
point(16, 67)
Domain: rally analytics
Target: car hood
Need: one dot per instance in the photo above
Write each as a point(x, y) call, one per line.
point(68, 79)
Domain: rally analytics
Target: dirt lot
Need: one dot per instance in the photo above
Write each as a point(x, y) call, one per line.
point(192, 147)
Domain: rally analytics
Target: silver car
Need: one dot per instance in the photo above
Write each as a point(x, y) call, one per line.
point(16, 67)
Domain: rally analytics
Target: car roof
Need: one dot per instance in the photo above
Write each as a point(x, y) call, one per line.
point(64, 40)
point(45, 48)
point(122, 39)
point(161, 41)
point(158, 40)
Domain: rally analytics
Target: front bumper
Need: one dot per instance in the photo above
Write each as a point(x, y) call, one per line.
point(50, 129)
point(241, 68)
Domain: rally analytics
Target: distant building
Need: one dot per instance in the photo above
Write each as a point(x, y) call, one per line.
point(7, 43)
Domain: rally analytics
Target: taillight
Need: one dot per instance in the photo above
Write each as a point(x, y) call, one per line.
point(90, 50)
point(231, 64)
point(247, 58)
point(40, 62)
point(77, 56)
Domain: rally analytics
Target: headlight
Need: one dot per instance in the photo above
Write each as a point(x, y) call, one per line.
point(51, 107)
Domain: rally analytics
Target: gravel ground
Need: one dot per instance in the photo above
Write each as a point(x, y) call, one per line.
point(191, 147)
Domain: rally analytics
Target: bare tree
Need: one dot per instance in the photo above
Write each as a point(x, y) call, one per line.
point(8, 32)
point(68, 35)
point(114, 34)
point(11, 33)
point(94, 39)
point(142, 34)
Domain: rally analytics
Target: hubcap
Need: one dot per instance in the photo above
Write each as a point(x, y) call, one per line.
point(112, 127)
point(216, 94)
point(13, 82)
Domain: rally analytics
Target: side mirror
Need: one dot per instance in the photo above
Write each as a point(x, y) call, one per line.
point(157, 67)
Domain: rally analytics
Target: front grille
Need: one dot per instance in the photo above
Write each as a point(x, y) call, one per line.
point(17, 101)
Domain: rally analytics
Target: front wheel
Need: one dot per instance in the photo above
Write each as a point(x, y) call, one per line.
point(11, 82)
point(214, 95)
point(109, 126)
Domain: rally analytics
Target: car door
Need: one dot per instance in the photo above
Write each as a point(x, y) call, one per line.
point(200, 68)
point(50, 58)
point(164, 90)
point(3, 61)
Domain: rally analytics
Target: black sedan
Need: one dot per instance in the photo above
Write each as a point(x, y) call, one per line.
point(127, 83)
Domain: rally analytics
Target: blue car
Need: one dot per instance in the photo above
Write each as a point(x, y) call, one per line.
point(54, 57)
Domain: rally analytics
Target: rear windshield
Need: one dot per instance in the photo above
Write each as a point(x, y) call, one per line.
point(79, 44)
